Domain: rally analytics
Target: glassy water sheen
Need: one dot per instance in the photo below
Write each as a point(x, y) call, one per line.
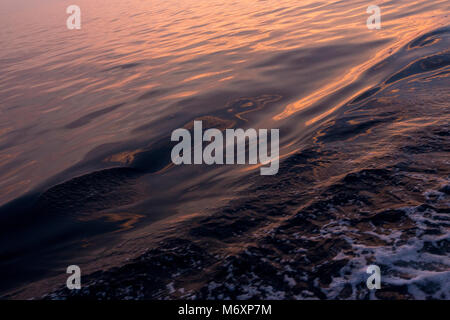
point(86, 117)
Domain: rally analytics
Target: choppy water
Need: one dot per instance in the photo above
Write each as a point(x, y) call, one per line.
point(363, 118)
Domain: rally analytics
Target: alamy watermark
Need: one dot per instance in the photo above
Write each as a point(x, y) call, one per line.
point(74, 20)
point(213, 153)
point(374, 21)
point(74, 281)
point(374, 281)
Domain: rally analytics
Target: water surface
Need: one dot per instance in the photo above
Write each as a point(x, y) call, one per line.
point(86, 115)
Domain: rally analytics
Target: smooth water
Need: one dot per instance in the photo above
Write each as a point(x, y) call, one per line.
point(108, 96)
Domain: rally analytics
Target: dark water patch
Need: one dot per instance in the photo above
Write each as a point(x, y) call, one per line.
point(198, 26)
point(237, 220)
point(387, 216)
point(262, 14)
point(304, 57)
point(366, 94)
point(146, 276)
point(430, 63)
point(90, 193)
point(440, 247)
point(244, 33)
point(411, 167)
point(342, 130)
point(428, 143)
point(153, 93)
point(124, 66)
point(157, 155)
point(442, 132)
point(227, 106)
point(428, 39)
point(445, 189)
point(155, 158)
point(13, 107)
point(91, 116)
point(223, 228)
